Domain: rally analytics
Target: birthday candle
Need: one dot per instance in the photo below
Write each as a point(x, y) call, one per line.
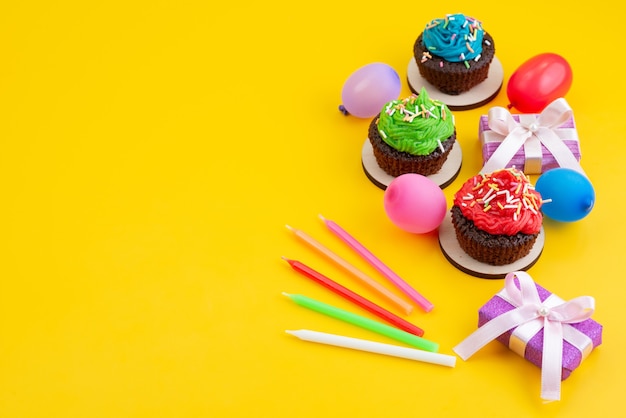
point(364, 322)
point(379, 265)
point(354, 297)
point(382, 290)
point(374, 347)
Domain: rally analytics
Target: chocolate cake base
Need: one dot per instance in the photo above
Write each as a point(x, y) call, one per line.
point(396, 163)
point(458, 258)
point(478, 96)
point(443, 178)
point(495, 250)
point(454, 78)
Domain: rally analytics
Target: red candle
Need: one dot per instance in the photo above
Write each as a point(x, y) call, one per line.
point(355, 298)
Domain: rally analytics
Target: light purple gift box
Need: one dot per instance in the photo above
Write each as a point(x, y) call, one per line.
point(490, 141)
point(533, 349)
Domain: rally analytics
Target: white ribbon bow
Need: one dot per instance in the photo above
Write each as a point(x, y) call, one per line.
point(531, 133)
point(529, 309)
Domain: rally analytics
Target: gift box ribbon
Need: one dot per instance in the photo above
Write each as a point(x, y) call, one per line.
point(531, 132)
point(531, 315)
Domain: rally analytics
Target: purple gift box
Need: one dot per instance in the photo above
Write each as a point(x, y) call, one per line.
point(533, 157)
point(585, 335)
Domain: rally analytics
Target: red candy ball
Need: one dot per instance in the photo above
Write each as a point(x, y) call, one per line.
point(539, 81)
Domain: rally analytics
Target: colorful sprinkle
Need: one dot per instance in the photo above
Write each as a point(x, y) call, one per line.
point(489, 199)
point(506, 195)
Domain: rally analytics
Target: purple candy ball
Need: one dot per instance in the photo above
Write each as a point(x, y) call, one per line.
point(367, 89)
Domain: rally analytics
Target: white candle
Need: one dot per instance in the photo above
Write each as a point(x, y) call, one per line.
point(374, 347)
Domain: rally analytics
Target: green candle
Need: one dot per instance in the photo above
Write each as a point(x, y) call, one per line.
point(363, 322)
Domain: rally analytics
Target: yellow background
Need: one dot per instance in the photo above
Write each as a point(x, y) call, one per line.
point(152, 153)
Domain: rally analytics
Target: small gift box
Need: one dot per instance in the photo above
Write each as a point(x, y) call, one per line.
point(533, 143)
point(552, 334)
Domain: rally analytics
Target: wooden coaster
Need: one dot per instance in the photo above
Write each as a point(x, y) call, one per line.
point(449, 171)
point(479, 95)
point(460, 259)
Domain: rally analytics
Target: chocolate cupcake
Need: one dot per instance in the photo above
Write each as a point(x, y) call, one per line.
point(412, 135)
point(454, 53)
point(497, 217)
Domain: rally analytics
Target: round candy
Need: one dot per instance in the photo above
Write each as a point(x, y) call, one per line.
point(568, 195)
point(539, 81)
point(415, 203)
point(367, 90)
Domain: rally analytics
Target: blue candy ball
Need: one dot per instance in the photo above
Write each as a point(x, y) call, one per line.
point(568, 194)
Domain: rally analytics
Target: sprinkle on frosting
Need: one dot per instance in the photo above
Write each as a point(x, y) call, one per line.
point(416, 125)
point(455, 38)
point(501, 203)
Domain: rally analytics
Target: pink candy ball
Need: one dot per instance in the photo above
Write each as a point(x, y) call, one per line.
point(415, 203)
